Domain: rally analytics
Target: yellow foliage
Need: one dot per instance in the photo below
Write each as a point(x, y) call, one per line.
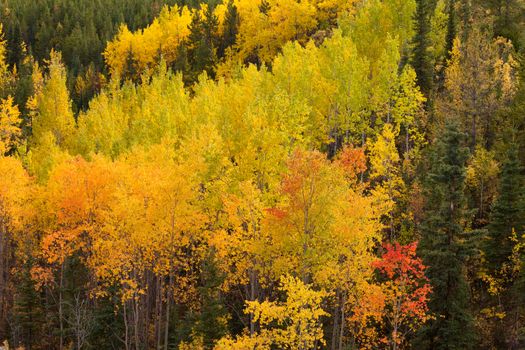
point(161, 38)
point(500, 280)
point(385, 165)
point(15, 192)
point(154, 218)
point(292, 324)
point(265, 27)
point(6, 76)
point(9, 125)
point(480, 79)
point(53, 123)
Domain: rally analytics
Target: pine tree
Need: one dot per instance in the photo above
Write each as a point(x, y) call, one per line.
point(443, 246)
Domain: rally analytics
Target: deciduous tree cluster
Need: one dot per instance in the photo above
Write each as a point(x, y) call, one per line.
point(274, 174)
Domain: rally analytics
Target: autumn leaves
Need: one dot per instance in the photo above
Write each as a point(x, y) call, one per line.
point(254, 175)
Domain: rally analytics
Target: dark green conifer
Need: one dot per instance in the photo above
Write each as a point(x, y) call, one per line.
point(422, 60)
point(27, 312)
point(444, 246)
point(508, 212)
point(202, 44)
point(231, 28)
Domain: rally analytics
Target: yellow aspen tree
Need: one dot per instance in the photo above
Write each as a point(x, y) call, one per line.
point(53, 123)
point(155, 227)
point(5, 74)
point(481, 179)
point(265, 26)
point(10, 120)
point(438, 32)
point(162, 38)
point(329, 10)
point(69, 207)
point(346, 116)
point(10, 132)
point(15, 214)
point(385, 172)
point(324, 228)
point(51, 105)
point(407, 110)
point(291, 324)
point(120, 118)
point(378, 22)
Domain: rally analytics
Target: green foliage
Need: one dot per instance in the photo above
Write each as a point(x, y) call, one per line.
point(231, 29)
point(508, 212)
point(203, 44)
point(422, 60)
point(27, 310)
point(168, 194)
point(80, 29)
point(444, 246)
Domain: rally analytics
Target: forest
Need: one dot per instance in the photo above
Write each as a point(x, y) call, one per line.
point(262, 174)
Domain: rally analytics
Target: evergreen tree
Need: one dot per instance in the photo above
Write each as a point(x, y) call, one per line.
point(231, 28)
point(181, 64)
point(211, 322)
point(444, 247)
point(27, 312)
point(422, 61)
point(451, 27)
point(130, 71)
point(515, 118)
point(508, 212)
point(202, 44)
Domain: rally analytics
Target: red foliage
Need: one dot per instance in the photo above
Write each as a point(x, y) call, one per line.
point(400, 265)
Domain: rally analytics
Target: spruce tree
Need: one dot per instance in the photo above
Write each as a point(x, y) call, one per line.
point(502, 253)
point(211, 321)
point(451, 26)
point(181, 63)
point(444, 246)
point(231, 28)
point(508, 211)
point(421, 59)
point(27, 312)
point(130, 70)
point(203, 44)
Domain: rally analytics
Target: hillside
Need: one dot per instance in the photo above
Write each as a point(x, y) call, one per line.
point(268, 174)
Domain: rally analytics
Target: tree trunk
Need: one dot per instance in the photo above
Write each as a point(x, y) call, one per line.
point(253, 296)
point(136, 320)
point(126, 325)
point(342, 326)
point(158, 313)
point(60, 309)
point(168, 303)
point(4, 261)
point(335, 326)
